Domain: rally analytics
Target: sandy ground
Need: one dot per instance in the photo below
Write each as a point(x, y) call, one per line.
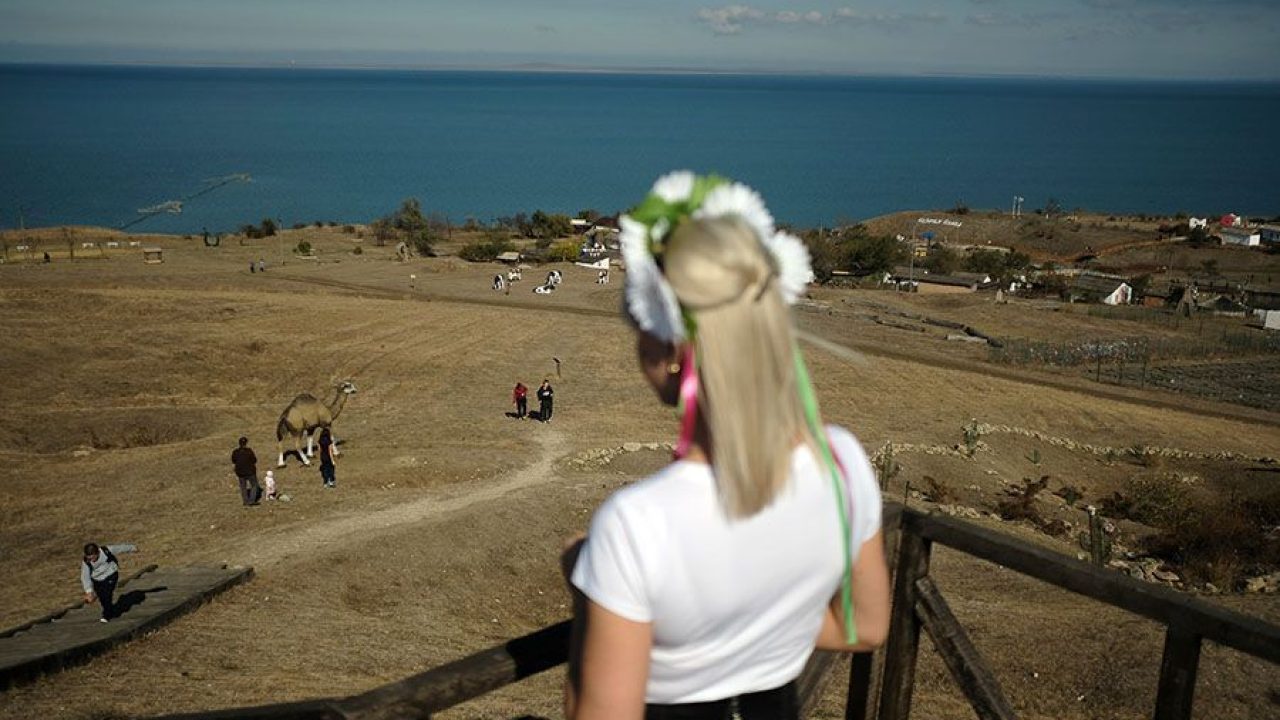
point(128, 384)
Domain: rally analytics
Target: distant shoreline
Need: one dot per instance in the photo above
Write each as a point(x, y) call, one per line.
point(678, 71)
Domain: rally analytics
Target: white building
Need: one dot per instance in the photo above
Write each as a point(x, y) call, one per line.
point(1202, 223)
point(1270, 233)
point(1247, 237)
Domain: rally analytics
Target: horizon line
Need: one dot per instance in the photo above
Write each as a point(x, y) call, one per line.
point(569, 68)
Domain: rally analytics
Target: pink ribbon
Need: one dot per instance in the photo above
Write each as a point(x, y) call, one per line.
point(688, 404)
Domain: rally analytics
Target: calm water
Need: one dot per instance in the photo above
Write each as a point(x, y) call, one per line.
point(91, 145)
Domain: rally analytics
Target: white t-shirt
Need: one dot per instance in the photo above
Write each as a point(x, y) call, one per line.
point(735, 605)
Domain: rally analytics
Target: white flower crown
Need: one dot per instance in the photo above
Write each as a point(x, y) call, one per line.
point(673, 198)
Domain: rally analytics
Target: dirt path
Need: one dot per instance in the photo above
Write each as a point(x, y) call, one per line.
point(330, 533)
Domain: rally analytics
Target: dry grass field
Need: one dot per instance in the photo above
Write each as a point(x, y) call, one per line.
point(127, 384)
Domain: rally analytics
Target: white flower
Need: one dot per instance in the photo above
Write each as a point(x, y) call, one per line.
point(674, 186)
point(650, 299)
point(795, 270)
point(738, 199)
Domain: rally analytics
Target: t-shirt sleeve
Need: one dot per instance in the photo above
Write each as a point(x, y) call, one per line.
point(861, 478)
point(609, 569)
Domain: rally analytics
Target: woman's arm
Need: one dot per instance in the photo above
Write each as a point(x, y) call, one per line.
point(870, 603)
point(613, 668)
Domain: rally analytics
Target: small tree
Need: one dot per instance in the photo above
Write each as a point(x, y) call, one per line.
point(1053, 208)
point(942, 260)
point(382, 230)
point(268, 227)
point(1197, 236)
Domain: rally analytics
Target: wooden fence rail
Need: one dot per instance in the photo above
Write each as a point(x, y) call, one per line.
point(918, 604)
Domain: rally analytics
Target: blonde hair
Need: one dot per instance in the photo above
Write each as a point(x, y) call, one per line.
point(724, 277)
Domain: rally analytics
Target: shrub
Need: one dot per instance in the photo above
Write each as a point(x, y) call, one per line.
point(1070, 493)
point(303, 248)
point(349, 229)
point(357, 250)
point(1020, 503)
point(484, 250)
point(936, 491)
point(972, 432)
point(1161, 501)
point(887, 468)
point(1221, 540)
point(424, 242)
point(563, 251)
point(299, 226)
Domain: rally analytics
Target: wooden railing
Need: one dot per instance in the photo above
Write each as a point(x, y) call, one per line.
point(917, 604)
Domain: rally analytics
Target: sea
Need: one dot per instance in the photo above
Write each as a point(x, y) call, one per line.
point(93, 145)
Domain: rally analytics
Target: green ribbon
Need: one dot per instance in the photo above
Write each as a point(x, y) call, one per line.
point(809, 401)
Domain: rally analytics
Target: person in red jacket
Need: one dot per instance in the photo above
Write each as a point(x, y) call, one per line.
point(520, 396)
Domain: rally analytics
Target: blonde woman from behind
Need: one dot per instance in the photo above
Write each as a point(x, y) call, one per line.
point(705, 587)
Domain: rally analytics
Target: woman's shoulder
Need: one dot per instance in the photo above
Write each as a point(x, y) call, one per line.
point(844, 440)
point(677, 482)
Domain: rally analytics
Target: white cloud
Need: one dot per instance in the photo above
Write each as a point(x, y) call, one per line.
point(887, 19)
point(728, 20)
point(1007, 20)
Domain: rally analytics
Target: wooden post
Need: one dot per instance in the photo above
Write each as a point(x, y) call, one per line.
point(1097, 376)
point(1177, 674)
point(968, 668)
point(863, 692)
point(1097, 538)
point(855, 705)
point(904, 626)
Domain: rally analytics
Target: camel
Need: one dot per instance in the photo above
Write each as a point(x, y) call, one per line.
point(305, 415)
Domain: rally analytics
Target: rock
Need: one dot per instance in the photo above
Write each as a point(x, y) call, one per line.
point(1165, 576)
point(960, 511)
point(284, 497)
point(1211, 588)
point(632, 447)
point(651, 446)
point(83, 452)
point(1263, 584)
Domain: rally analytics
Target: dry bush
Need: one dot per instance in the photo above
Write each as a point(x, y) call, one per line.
point(1021, 501)
point(1147, 457)
point(936, 491)
point(1161, 501)
point(1222, 541)
point(255, 347)
point(1070, 493)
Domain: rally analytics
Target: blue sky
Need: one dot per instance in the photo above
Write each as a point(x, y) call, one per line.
point(1193, 39)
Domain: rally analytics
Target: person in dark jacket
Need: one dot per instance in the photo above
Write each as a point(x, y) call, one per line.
point(246, 465)
point(100, 573)
point(546, 401)
point(327, 452)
